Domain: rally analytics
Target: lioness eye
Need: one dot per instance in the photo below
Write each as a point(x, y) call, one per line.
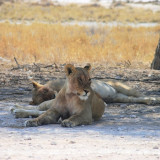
point(79, 79)
point(89, 79)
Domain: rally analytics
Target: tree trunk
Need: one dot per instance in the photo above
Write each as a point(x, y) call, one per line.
point(156, 61)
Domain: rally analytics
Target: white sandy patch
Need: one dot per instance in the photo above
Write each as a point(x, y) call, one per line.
point(152, 7)
point(111, 138)
point(53, 142)
point(104, 3)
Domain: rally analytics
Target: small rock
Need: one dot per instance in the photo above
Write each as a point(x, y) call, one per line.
point(105, 104)
point(99, 156)
point(155, 147)
point(72, 142)
point(122, 116)
point(28, 138)
point(118, 77)
point(53, 143)
point(123, 105)
point(133, 116)
point(150, 75)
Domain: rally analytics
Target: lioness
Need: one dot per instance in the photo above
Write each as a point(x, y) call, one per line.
point(46, 92)
point(110, 92)
point(76, 103)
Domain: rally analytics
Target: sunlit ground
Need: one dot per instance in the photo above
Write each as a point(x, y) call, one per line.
point(58, 13)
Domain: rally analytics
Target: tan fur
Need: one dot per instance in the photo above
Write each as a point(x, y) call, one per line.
point(124, 89)
point(76, 103)
point(45, 92)
point(110, 92)
point(71, 100)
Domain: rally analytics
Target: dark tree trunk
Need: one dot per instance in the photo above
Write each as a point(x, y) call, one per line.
point(156, 61)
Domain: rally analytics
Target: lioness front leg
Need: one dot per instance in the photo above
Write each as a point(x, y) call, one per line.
point(22, 113)
point(17, 106)
point(30, 111)
point(76, 120)
point(51, 116)
point(42, 107)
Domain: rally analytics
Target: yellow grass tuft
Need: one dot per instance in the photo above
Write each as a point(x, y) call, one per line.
point(63, 44)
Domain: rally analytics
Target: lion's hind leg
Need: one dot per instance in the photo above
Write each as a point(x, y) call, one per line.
point(29, 111)
point(22, 113)
point(121, 98)
point(124, 89)
point(28, 107)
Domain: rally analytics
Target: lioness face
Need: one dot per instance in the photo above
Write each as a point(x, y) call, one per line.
point(79, 81)
point(41, 93)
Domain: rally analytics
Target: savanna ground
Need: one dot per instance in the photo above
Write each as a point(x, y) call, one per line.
point(40, 51)
point(126, 131)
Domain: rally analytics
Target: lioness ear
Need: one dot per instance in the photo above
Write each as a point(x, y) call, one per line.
point(36, 85)
point(69, 69)
point(88, 67)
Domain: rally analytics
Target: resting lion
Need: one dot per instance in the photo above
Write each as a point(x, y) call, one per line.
point(76, 103)
point(109, 91)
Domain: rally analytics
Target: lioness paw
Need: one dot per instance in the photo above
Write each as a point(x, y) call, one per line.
point(151, 101)
point(31, 123)
point(68, 123)
point(20, 113)
point(14, 108)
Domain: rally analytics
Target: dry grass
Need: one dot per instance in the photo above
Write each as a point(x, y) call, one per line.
point(22, 11)
point(64, 44)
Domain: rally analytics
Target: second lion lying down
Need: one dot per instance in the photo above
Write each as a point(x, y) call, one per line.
point(78, 99)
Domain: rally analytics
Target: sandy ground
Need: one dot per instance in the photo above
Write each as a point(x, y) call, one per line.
point(126, 131)
point(87, 142)
point(146, 4)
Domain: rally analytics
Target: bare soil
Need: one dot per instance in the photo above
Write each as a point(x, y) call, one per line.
point(126, 131)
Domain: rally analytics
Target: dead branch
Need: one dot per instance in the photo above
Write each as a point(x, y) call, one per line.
point(18, 66)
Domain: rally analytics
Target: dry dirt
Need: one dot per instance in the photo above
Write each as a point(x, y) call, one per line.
point(126, 131)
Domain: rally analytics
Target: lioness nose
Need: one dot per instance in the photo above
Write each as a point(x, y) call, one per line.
point(86, 91)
